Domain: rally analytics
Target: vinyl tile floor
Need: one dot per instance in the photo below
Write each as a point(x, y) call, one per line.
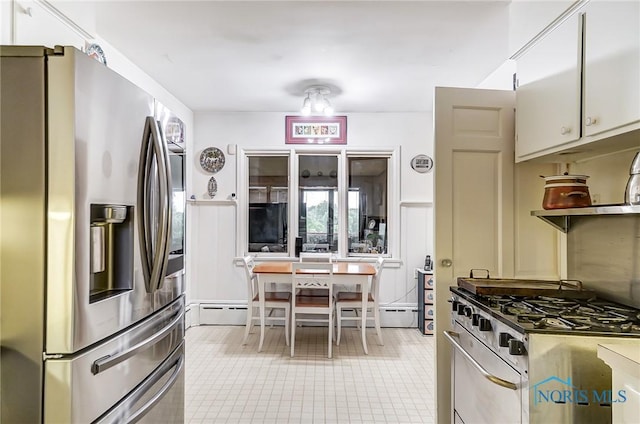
point(227, 382)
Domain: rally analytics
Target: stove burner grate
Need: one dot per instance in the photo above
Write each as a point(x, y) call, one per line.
point(563, 314)
point(532, 318)
point(559, 323)
point(515, 308)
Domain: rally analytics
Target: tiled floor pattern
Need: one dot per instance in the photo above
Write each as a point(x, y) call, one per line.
point(230, 383)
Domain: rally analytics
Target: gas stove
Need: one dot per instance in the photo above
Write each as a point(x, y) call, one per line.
point(531, 350)
point(528, 314)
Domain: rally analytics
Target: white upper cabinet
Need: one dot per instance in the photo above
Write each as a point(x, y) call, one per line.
point(611, 65)
point(548, 91)
point(578, 87)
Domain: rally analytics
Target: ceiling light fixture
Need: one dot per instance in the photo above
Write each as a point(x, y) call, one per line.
point(316, 101)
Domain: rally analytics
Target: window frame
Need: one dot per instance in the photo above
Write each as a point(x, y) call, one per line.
point(393, 201)
point(342, 154)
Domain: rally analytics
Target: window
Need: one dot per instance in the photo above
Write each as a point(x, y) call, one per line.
point(367, 204)
point(318, 216)
point(268, 201)
point(338, 202)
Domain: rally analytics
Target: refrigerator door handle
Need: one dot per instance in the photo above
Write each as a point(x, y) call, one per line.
point(156, 398)
point(154, 258)
point(124, 412)
point(106, 362)
point(165, 202)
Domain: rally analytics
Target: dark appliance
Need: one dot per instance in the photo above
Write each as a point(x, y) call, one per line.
point(529, 355)
point(267, 226)
point(298, 247)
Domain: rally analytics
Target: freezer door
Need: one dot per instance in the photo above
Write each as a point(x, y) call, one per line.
point(159, 400)
point(85, 387)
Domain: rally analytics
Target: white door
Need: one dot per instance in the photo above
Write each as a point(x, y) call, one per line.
point(474, 197)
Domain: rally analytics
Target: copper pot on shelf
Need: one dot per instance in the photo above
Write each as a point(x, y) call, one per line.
point(566, 191)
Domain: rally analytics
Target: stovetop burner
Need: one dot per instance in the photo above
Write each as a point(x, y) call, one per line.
point(558, 323)
point(562, 314)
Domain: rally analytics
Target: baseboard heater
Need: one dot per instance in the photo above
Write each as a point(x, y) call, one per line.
point(398, 316)
point(235, 314)
point(222, 314)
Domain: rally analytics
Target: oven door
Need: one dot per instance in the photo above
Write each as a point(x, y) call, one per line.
point(485, 388)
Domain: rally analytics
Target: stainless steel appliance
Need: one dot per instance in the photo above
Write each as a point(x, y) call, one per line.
point(92, 320)
point(632, 191)
point(531, 357)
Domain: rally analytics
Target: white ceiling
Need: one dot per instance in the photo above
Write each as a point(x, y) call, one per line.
point(376, 56)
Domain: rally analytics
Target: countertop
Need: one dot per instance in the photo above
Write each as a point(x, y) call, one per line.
point(621, 358)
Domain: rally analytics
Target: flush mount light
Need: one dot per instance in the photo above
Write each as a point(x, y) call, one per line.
point(316, 101)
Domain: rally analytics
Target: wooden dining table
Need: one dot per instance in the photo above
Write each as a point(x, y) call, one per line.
point(344, 273)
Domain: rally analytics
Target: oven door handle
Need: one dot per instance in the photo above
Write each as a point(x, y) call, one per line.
point(451, 336)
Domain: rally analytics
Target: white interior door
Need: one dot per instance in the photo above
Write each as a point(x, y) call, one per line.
point(474, 198)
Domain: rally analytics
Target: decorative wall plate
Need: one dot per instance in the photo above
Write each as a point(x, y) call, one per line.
point(212, 187)
point(212, 159)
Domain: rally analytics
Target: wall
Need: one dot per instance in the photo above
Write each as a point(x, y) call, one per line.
point(527, 18)
point(501, 78)
point(216, 278)
point(608, 175)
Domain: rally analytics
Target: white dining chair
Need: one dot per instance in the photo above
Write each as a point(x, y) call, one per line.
point(352, 302)
point(315, 276)
point(316, 257)
point(272, 300)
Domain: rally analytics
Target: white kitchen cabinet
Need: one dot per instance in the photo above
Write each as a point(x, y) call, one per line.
point(579, 86)
point(611, 65)
point(548, 91)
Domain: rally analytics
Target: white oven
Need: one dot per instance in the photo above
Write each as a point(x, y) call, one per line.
point(485, 388)
point(533, 358)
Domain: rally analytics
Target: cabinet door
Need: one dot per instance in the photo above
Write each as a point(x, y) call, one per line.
point(611, 65)
point(548, 92)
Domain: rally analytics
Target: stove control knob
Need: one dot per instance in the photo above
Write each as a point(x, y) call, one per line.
point(516, 347)
point(468, 311)
point(475, 319)
point(484, 324)
point(454, 305)
point(503, 339)
point(461, 309)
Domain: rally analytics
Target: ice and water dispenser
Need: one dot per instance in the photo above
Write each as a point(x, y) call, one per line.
point(111, 252)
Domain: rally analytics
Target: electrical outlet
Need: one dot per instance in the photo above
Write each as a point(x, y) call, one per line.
point(595, 199)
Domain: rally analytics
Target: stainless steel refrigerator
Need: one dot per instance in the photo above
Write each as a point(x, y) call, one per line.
point(92, 314)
